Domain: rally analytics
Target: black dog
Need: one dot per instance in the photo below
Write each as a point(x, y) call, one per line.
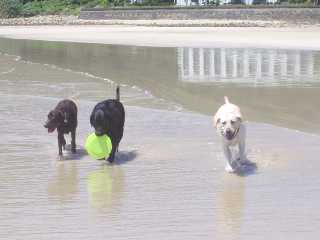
point(108, 118)
point(64, 119)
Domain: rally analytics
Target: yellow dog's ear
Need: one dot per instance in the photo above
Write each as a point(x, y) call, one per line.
point(239, 116)
point(216, 120)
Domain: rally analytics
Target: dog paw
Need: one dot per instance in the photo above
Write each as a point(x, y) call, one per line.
point(110, 159)
point(229, 169)
point(246, 162)
point(236, 164)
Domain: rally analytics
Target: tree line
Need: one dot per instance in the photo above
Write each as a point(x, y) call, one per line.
point(15, 8)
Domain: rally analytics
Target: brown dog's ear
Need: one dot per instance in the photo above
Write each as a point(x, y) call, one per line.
point(65, 120)
point(60, 116)
point(50, 115)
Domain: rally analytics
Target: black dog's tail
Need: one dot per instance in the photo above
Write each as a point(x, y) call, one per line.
point(118, 93)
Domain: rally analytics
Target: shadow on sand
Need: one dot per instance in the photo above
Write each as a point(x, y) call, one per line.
point(246, 169)
point(69, 156)
point(124, 157)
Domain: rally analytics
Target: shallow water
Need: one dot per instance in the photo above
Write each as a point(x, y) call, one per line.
point(279, 87)
point(168, 181)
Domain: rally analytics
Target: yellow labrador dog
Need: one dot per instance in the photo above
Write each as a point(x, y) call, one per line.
point(228, 122)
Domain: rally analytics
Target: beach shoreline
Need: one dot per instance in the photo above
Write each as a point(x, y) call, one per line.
point(166, 32)
point(75, 20)
point(152, 36)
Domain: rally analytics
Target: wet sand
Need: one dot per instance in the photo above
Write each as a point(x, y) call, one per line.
point(168, 181)
point(288, 38)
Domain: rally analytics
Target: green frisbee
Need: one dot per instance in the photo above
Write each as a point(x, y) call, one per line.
point(98, 147)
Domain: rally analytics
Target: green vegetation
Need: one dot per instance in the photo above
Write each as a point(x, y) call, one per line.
point(10, 8)
point(16, 8)
point(31, 8)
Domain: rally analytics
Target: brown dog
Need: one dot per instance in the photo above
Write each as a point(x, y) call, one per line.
point(64, 119)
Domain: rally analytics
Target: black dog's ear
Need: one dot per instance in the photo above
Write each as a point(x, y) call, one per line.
point(92, 119)
point(99, 115)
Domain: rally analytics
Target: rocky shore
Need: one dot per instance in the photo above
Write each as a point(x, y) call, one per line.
point(74, 20)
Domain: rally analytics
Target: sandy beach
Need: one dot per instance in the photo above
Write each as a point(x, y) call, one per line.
point(261, 37)
point(168, 180)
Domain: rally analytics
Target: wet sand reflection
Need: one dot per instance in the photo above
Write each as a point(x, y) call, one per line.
point(231, 202)
point(105, 187)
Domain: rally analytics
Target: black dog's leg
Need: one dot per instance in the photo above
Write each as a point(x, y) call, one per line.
point(115, 139)
point(112, 154)
point(73, 141)
point(115, 145)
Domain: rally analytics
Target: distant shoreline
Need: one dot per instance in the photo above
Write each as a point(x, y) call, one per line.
point(270, 14)
point(153, 36)
point(74, 20)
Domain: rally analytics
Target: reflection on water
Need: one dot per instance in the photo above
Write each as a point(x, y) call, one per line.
point(265, 67)
point(232, 202)
point(64, 184)
point(105, 187)
point(264, 82)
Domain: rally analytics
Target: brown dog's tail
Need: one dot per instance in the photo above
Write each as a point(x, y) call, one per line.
point(118, 93)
